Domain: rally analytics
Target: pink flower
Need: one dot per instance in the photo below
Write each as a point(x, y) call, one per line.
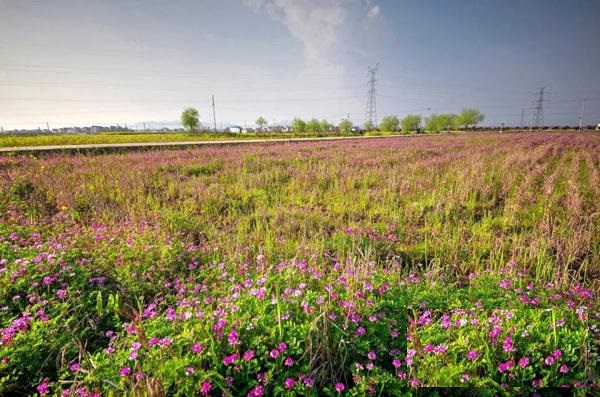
point(233, 337)
point(125, 371)
point(563, 369)
point(61, 293)
point(43, 387)
point(396, 363)
point(282, 347)
point(288, 362)
point(74, 367)
point(523, 362)
point(189, 370)
point(440, 349)
point(505, 366)
point(248, 355)
point(428, 348)
point(360, 331)
point(508, 344)
point(493, 334)
point(445, 323)
point(536, 383)
point(557, 354)
point(289, 383)
point(308, 381)
point(257, 391)
point(205, 387)
point(339, 387)
point(228, 360)
point(549, 360)
point(197, 348)
point(274, 353)
point(372, 355)
point(472, 355)
point(464, 378)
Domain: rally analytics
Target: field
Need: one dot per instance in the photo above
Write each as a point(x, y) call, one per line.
point(132, 137)
point(323, 268)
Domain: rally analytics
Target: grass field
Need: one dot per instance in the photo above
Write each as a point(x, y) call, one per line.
point(324, 268)
point(135, 137)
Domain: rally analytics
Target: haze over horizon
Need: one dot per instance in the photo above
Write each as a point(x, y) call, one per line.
point(113, 62)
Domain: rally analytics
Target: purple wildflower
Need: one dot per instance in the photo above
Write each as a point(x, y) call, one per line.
point(524, 362)
point(472, 355)
point(505, 366)
point(205, 387)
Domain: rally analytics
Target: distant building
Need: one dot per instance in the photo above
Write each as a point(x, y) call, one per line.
point(236, 129)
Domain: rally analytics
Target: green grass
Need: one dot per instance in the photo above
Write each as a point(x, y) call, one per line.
point(136, 137)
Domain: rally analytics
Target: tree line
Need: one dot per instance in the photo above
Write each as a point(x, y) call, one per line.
point(433, 123)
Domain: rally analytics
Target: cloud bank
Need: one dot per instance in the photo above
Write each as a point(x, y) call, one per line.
point(316, 23)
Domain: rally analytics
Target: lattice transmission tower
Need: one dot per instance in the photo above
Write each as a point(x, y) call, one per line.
point(371, 108)
point(538, 115)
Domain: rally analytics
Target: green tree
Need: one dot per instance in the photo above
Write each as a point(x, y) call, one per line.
point(469, 117)
point(439, 122)
point(325, 125)
point(368, 125)
point(298, 125)
point(447, 121)
point(389, 123)
point(345, 126)
point(261, 122)
point(432, 123)
point(190, 118)
point(313, 125)
point(410, 122)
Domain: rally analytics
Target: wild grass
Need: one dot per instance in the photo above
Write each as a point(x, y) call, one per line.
point(135, 137)
point(326, 247)
point(460, 202)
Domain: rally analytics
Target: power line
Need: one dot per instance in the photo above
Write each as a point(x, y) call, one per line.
point(178, 100)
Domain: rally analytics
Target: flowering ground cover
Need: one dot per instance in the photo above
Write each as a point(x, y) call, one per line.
point(365, 267)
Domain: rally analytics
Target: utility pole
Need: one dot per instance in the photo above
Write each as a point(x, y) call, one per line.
point(538, 120)
point(582, 114)
point(48, 126)
point(371, 108)
point(214, 116)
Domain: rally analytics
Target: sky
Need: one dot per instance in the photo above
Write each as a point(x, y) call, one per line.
point(108, 62)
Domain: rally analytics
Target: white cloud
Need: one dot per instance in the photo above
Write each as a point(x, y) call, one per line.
point(316, 23)
point(373, 13)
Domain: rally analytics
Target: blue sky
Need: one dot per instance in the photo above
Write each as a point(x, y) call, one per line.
point(69, 62)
